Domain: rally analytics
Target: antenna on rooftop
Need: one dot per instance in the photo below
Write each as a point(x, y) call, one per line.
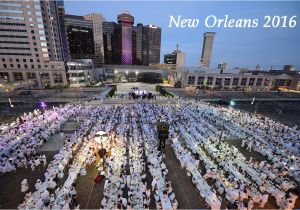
point(177, 47)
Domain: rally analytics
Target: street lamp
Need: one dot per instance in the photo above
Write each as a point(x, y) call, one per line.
point(43, 105)
point(232, 103)
point(11, 105)
point(116, 76)
point(136, 75)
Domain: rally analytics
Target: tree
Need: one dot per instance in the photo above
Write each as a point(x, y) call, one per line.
point(178, 84)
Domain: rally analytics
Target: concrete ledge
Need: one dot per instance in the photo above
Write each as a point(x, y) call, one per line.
point(103, 94)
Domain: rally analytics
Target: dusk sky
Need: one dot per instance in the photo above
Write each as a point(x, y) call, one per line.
point(243, 47)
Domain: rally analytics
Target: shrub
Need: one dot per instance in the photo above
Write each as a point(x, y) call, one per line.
point(178, 84)
point(112, 91)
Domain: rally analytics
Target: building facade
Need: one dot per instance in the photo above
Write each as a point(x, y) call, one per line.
point(138, 29)
point(97, 20)
point(80, 72)
point(176, 58)
point(222, 66)
point(111, 42)
point(151, 45)
point(208, 79)
point(208, 40)
point(126, 21)
point(85, 37)
point(80, 37)
point(125, 44)
point(31, 47)
point(62, 30)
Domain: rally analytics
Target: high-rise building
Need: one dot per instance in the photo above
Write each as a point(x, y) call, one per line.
point(97, 20)
point(126, 21)
point(85, 37)
point(139, 44)
point(30, 38)
point(176, 58)
point(80, 72)
point(207, 48)
point(131, 45)
point(170, 58)
point(151, 45)
point(111, 42)
point(80, 37)
point(62, 29)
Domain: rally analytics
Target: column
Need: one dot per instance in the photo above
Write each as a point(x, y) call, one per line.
point(231, 81)
point(213, 82)
point(38, 79)
point(24, 75)
point(205, 80)
point(51, 78)
point(64, 77)
point(11, 76)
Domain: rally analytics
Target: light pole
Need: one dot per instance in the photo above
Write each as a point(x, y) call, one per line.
point(127, 76)
point(136, 75)
point(11, 105)
point(232, 103)
point(116, 75)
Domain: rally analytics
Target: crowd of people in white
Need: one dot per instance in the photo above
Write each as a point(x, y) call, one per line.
point(135, 175)
point(19, 140)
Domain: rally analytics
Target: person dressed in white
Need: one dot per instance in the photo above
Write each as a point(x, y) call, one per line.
point(51, 184)
point(38, 184)
point(62, 135)
point(250, 204)
point(243, 143)
point(154, 181)
point(249, 147)
point(82, 171)
point(44, 160)
point(45, 196)
point(264, 200)
point(24, 186)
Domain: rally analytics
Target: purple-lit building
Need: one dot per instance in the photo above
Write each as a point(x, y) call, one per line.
point(126, 44)
point(126, 21)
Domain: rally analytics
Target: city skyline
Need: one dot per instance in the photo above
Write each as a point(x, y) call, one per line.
point(238, 47)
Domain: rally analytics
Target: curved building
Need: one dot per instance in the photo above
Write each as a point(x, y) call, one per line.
point(126, 21)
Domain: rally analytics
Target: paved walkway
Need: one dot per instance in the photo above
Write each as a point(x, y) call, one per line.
point(10, 183)
point(184, 189)
point(55, 142)
point(89, 194)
